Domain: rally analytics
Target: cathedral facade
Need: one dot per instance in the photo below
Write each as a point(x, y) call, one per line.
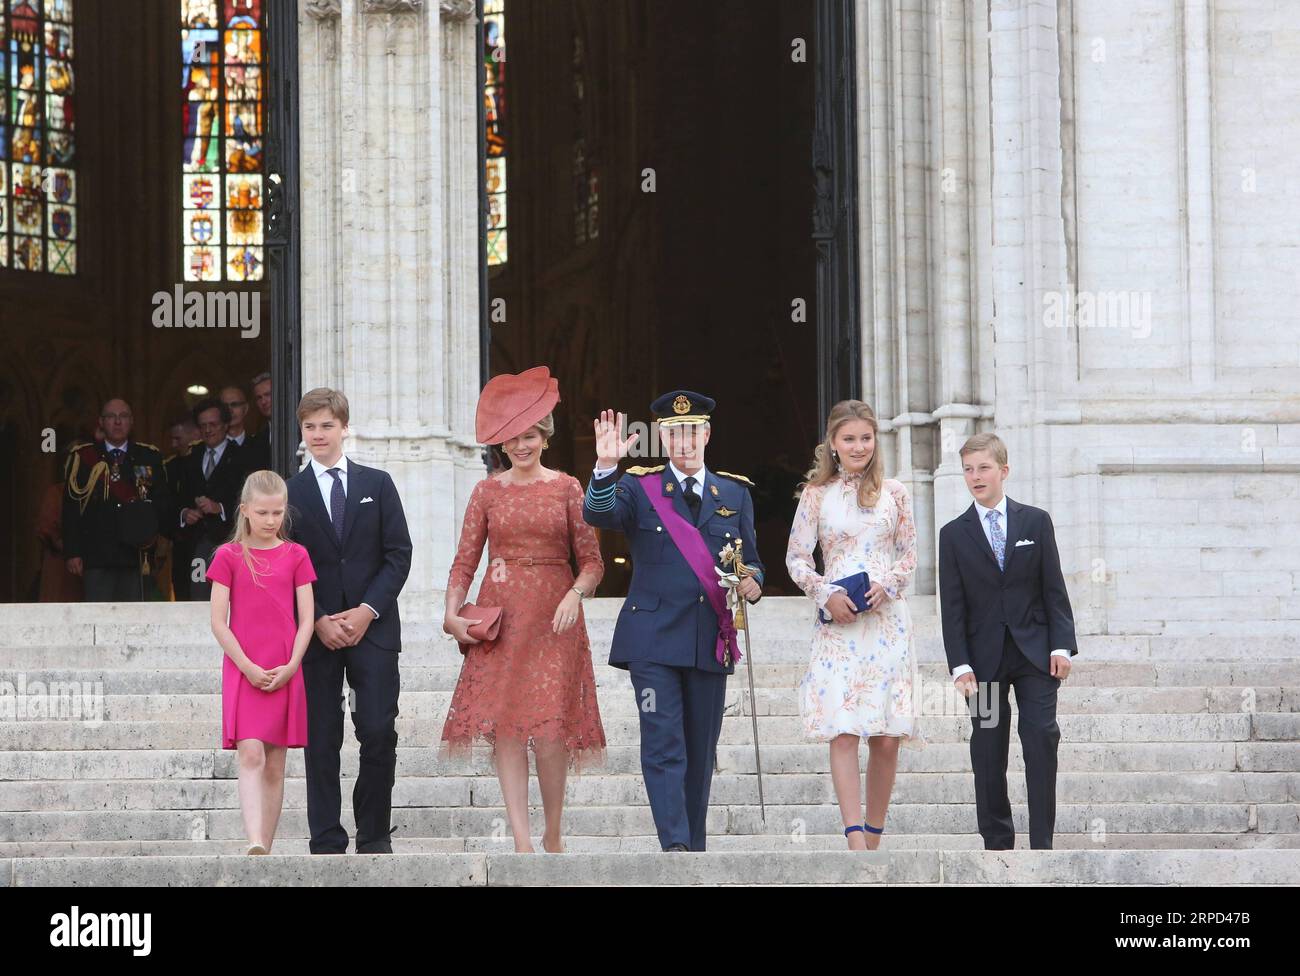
point(1068, 222)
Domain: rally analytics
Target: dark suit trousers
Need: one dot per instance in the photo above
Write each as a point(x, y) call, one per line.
point(681, 718)
point(990, 741)
point(372, 674)
point(112, 585)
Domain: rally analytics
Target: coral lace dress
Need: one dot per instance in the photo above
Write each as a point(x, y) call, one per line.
point(530, 684)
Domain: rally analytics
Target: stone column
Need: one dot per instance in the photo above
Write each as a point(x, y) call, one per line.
point(390, 244)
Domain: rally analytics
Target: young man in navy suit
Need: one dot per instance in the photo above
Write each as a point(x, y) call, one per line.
point(1007, 623)
point(351, 521)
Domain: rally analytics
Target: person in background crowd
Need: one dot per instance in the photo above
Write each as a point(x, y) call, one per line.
point(211, 477)
point(258, 445)
point(236, 401)
point(115, 502)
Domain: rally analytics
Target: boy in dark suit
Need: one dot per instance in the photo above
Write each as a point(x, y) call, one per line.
point(1006, 622)
point(351, 521)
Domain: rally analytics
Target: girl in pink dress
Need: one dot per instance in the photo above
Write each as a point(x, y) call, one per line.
point(259, 580)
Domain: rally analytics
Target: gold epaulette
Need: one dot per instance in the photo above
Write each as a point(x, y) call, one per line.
point(642, 469)
point(737, 477)
point(196, 443)
point(152, 447)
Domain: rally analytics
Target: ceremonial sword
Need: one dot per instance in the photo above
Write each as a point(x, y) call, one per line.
point(731, 556)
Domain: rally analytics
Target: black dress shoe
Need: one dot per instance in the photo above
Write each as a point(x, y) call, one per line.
point(672, 848)
point(384, 846)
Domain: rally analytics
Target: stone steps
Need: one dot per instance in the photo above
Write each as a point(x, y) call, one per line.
point(807, 758)
point(206, 678)
point(644, 843)
point(631, 820)
point(629, 790)
point(917, 867)
point(736, 729)
point(199, 650)
point(617, 700)
point(1179, 761)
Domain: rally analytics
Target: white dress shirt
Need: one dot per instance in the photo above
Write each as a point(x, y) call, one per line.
point(238, 439)
point(678, 473)
point(325, 482)
point(1001, 509)
point(681, 477)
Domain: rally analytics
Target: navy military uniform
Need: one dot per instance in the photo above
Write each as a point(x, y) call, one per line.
point(115, 502)
point(667, 629)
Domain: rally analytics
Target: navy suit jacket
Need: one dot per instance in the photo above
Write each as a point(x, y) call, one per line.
point(979, 602)
point(370, 565)
point(666, 618)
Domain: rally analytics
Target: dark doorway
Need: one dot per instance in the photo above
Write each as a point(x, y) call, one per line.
point(659, 210)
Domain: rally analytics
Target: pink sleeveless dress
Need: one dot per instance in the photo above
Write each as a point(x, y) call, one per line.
point(263, 620)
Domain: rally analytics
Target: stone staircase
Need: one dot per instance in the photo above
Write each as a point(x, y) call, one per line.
point(1179, 764)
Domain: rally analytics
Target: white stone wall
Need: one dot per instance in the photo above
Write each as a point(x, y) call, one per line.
point(1015, 154)
point(1143, 155)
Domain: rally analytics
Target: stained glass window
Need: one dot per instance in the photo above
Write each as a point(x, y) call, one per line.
point(494, 105)
point(38, 182)
point(221, 163)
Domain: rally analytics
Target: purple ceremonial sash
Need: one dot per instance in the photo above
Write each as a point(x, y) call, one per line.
point(692, 546)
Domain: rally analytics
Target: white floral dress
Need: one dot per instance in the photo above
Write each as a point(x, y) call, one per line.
point(860, 675)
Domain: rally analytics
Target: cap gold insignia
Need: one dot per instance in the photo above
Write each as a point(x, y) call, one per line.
point(682, 404)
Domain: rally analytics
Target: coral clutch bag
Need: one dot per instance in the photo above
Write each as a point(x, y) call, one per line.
point(487, 622)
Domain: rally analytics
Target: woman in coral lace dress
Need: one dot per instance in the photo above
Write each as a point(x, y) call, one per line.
point(532, 685)
point(859, 682)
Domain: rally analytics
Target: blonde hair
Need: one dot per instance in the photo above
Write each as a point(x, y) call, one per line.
point(323, 398)
point(546, 426)
point(825, 469)
point(986, 442)
point(266, 483)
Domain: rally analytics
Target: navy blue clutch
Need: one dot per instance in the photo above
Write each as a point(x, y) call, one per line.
point(857, 586)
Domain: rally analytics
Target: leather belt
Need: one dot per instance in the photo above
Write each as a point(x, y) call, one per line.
point(532, 560)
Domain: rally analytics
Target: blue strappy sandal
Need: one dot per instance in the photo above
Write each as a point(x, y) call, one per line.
point(872, 830)
point(849, 830)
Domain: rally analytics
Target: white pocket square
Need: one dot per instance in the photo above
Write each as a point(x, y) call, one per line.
point(369, 499)
point(1025, 542)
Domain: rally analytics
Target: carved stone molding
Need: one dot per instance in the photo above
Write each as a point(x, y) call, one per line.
point(393, 6)
point(459, 11)
point(324, 9)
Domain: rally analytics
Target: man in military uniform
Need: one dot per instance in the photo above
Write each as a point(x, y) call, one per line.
point(675, 635)
point(115, 500)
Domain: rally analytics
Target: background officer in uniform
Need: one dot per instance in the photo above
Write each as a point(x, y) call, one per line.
point(115, 500)
point(667, 631)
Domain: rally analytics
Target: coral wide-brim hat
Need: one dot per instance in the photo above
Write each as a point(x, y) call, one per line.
point(513, 402)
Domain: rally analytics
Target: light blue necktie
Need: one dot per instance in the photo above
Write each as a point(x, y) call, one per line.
point(999, 540)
